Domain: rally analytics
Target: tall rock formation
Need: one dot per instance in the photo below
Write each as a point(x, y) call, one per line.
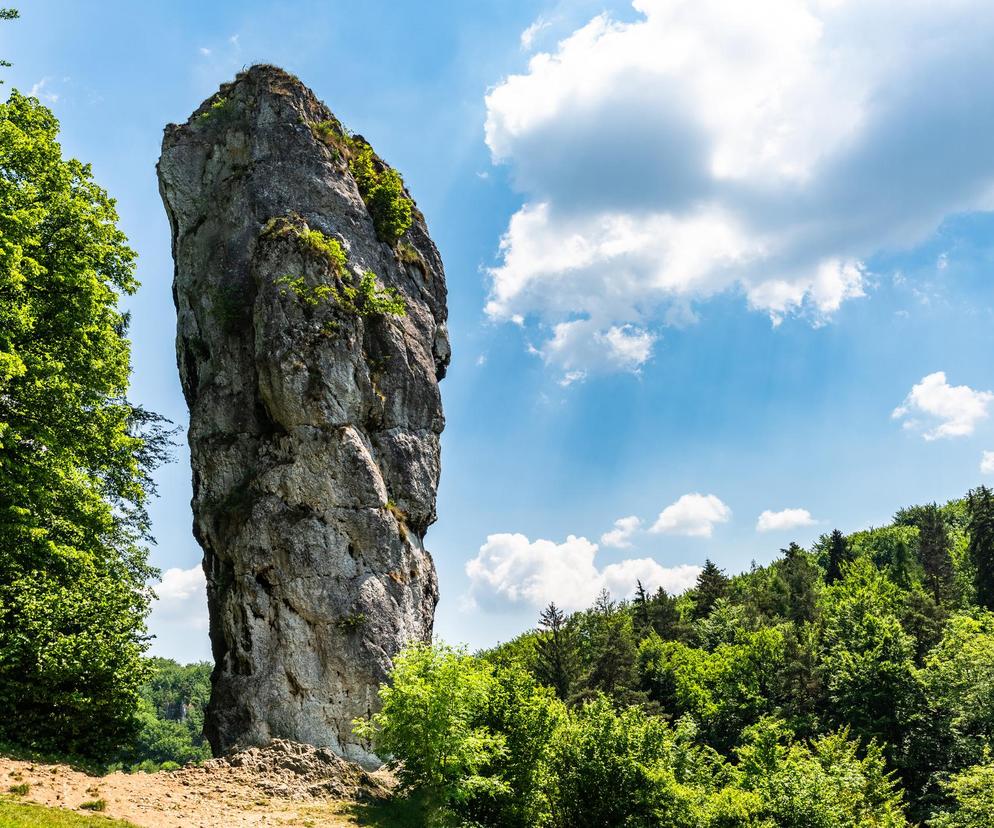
point(311, 338)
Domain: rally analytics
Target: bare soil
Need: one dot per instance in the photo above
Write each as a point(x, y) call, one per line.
point(285, 784)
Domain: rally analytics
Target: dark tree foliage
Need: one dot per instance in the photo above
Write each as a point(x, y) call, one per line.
point(934, 552)
point(981, 527)
point(794, 585)
point(612, 645)
point(556, 663)
point(712, 584)
point(663, 615)
point(838, 556)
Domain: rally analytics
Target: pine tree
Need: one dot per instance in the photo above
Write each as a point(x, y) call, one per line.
point(613, 650)
point(641, 618)
point(556, 652)
point(712, 584)
point(795, 578)
point(838, 554)
point(663, 615)
point(933, 552)
point(980, 504)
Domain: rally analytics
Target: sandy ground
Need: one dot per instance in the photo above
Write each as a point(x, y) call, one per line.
point(193, 797)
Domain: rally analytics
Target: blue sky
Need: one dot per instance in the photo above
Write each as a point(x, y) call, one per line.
point(705, 261)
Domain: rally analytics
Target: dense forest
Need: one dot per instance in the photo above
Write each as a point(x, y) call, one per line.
point(849, 684)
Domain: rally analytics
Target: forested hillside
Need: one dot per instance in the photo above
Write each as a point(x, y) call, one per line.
point(848, 684)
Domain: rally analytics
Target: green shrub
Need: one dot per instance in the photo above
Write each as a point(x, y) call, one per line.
point(220, 110)
point(94, 805)
point(19, 790)
point(429, 727)
point(382, 191)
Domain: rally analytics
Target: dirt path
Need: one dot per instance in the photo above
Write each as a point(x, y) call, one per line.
point(286, 787)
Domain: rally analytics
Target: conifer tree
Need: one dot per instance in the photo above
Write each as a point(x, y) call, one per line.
point(641, 617)
point(663, 615)
point(838, 554)
point(933, 552)
point(556, 652)
point(613, 649)
point(712, 584)
point(980, 504)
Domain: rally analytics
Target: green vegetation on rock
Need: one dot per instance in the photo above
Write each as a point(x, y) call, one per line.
point(361, 296)
point(381, 187)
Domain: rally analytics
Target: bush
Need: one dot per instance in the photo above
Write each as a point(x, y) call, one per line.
point(429, 724)
point(382, 192)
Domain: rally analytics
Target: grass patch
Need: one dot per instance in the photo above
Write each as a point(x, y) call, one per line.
point(94, 805)
point(25, 815)
point(19, 790)
point(409, 255)
point(394, 812)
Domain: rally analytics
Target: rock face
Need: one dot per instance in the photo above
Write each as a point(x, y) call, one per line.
point(315, 412)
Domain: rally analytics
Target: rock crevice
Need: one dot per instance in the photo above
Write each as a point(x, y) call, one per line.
point(310, 351)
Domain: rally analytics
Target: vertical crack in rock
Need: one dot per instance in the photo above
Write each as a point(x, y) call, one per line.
point(315, 412)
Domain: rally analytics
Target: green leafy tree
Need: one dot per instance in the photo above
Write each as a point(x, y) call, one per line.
point(618, 769)
point(972, 794)
point(959, 677)
point(869, 659)
point(980, 503)
point(556, 663)
point(827, 784)
point(75, 455)
point(525, 716)
point(430, 724)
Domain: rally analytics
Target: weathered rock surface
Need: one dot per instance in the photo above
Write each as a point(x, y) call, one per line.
point(314, 423)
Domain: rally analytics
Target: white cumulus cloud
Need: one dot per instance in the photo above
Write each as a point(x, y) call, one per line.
point(694, 515)
point(620, 537)
point(510, 569)
point(767, 148)
point(182, 599)
point(951, 410)
point(770, 521)
point(987, 462)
